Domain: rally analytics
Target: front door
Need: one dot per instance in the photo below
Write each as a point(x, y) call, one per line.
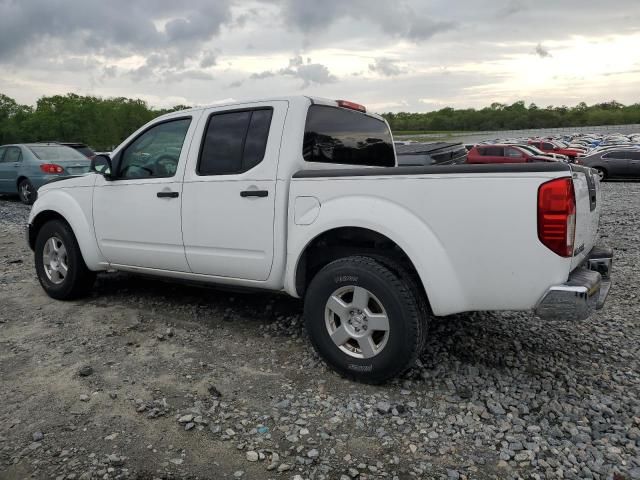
point(229, 191)
point(137, 214)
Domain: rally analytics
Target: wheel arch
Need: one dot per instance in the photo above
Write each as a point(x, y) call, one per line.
point(59, 205)
point(20, 179)
point(378, 227)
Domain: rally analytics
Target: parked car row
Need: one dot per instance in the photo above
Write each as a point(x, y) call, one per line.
point(614, 156)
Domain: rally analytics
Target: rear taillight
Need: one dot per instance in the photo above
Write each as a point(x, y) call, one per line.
point(51, 168)
point(557, 216)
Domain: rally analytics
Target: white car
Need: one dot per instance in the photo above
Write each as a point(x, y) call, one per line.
point(303, 195)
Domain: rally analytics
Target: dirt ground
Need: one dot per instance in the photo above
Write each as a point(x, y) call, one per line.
point(191, 382)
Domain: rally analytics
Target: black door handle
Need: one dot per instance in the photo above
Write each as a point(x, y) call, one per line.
point(254, 193)
point(168, 194)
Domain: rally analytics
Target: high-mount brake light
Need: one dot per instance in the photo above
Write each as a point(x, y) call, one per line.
point(51, 168)
point(557, 216)
point(351, 105)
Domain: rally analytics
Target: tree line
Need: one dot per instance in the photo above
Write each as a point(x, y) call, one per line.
point(516, 116)
point(103, 123)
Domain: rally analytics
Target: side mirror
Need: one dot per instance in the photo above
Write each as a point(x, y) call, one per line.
point(101, 164)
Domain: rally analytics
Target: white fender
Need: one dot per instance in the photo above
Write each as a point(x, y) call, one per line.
point(75, 208)
point(395, 222)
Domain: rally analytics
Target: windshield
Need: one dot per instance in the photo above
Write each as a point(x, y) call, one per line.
point(57, 153)
point(535, 150)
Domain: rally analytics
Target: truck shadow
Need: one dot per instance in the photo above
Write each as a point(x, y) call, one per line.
point(456, 344)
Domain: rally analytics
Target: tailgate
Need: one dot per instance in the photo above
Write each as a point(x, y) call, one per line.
point(587, 189)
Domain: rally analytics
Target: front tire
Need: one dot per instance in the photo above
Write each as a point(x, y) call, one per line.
point(364, 319)
point(27, 192)
point(59, 264)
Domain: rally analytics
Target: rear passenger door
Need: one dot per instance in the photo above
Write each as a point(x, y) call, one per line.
point(513, 155)
point(10, 158)
point(229, 190)
point(494, 155)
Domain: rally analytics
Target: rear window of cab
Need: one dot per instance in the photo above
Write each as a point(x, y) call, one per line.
point(342, 136)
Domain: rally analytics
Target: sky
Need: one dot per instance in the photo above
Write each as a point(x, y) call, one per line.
point(393, 55)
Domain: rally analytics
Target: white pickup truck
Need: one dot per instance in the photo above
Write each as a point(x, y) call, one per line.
point(303, 195)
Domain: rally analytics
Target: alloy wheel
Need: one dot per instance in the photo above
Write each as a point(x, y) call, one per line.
point(357, 322)
point(55, 260)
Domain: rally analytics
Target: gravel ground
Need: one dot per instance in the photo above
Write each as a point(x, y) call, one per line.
point(147, 379)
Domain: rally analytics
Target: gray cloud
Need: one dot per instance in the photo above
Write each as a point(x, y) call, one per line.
point(117, 26)
point(208, 59)
point(399, 19)
point(386, 67)
point(310, 73)
point(542, 52)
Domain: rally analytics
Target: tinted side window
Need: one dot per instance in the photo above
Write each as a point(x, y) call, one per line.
point(482, 151)
point(13, 155)
point(2, 150)
point(494, 151)
point(512, 152)
point(634, 155)
point(234, 142)
point(342, 136)
point(547, 146)
point(156, 152)
point(616, 155)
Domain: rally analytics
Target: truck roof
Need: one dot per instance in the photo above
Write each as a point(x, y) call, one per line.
point(288, 98)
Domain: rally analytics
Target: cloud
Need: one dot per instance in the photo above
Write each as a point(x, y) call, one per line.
point(310, 73)
point(386, 67)
point(208, 59)
point(117, 27)
point(512, 8)
point(542, 52)
point(401, 18)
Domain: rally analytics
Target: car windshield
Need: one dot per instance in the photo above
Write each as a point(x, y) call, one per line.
point(535, 150)
point(56, 153)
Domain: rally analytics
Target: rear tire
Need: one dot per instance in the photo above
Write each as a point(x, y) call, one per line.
point(27, 192)
point(364, 318)
point(59, 264)
point(602, 173)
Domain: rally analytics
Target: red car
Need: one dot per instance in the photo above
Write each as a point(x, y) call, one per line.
point(502, 154)
point(552, 147)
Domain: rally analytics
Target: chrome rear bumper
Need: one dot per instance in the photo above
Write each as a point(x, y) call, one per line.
point(584, 292)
